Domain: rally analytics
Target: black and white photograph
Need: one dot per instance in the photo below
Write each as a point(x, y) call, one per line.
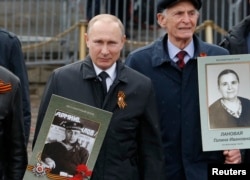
point(224, 100)
point(69, 137)
point(228, 95)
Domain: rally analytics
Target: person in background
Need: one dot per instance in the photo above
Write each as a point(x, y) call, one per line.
point(237, 41)
point(120, 8)
point(69, 148)
point(114, 7)
point(11, 57)
point(13, 153)
point(93, 8)
point(231, 110)
point(132, 147)
point(171, 63)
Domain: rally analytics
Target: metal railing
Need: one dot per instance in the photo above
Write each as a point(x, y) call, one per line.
point(51, 31)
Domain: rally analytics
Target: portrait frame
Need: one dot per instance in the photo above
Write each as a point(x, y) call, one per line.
point(95, 120)
point(227, 138)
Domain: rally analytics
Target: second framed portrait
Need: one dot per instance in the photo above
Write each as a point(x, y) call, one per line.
point(224, 88)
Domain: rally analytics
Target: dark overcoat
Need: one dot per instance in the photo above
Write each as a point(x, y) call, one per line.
point(13, 153)
point(236, 39)
point(11, 57)
point(178, 103)
point(132, 148)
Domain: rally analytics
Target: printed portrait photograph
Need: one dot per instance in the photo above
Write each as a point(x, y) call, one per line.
point(69, 143)
point(228, 95)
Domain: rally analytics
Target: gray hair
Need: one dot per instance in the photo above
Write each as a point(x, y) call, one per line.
point(106, 18)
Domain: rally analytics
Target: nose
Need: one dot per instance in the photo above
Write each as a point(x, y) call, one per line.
point(185, 17)
point(105, 49)
point(229, 86)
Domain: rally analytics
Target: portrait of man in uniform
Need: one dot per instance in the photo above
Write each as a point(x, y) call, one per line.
point(69, 143)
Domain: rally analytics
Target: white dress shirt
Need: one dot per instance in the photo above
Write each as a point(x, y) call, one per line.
point(111, 72)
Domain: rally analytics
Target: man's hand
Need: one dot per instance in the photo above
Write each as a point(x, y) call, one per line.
point(50, 163)
point(232, 156)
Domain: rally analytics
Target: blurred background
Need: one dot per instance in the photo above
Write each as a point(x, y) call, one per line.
point(50, 30)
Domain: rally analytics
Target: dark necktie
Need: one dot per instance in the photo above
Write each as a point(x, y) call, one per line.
point(180, 55)
point(103, 75)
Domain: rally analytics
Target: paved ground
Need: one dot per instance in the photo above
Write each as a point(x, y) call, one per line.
point(35, 102)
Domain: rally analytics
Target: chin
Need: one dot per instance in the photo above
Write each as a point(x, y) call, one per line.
point(104, 66)
point(185, 38)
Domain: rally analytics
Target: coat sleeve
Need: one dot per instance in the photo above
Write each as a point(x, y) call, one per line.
point(18, 67)
point(16, 154)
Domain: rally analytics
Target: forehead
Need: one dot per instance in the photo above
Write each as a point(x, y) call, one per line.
point(102, 32)
point(105, 26)
point(228, 76)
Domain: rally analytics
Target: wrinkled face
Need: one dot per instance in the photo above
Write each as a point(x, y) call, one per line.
point(229, 86)
point(179, 21)
point(105, 42)
point(71, 136)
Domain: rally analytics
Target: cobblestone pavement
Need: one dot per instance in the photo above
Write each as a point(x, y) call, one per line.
point(35, 102)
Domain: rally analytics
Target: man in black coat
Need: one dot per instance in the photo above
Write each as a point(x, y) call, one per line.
point(132, 148)
point(11, 57)
point(13, 154)
point(237, 41)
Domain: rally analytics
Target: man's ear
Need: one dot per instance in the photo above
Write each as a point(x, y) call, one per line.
point(86, 39)
point(160, 20)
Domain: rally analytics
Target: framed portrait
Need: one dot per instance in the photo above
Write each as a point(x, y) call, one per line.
point(69, 140)
point(224, 93)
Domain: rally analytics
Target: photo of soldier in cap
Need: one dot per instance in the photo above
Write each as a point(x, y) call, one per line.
point(63, 153)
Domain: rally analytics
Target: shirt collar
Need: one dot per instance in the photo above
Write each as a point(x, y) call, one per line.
point(110, 71)
point(173, 50)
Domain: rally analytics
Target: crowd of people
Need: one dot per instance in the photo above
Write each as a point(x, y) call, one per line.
point(156, 132)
